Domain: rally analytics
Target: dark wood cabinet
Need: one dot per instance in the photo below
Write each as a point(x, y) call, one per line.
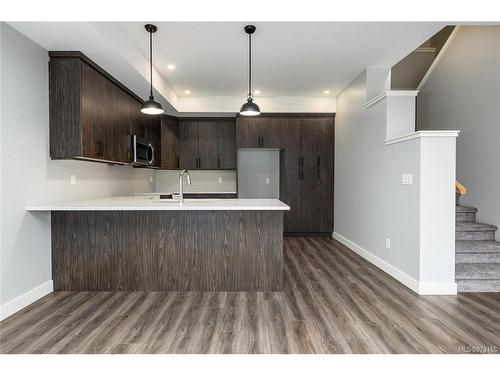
point(317, 142)
point(206, 143)
point(91, 115)
point(307, 143)
point(259, 132)
point(316, 192)
point(247, 132)
point(309, 193)
point(169, 143)
point(292, 143)
point(188, 144)
point(292, 198)
point(226, 144)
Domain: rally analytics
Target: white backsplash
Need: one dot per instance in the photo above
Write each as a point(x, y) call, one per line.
point(216, 181)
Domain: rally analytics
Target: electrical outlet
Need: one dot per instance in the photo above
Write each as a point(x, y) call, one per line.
point(387, 243)
point(72, 179)
point(150, 179)
point(220, 180)
point(267, 180)
point(407, 179)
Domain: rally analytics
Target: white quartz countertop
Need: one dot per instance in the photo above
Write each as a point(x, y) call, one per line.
point(157, 193)
point(141, 203)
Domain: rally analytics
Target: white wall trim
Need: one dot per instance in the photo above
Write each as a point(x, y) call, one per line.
point(388, 93)
point(399, 275)
point(20, 302)
point(438, 58)
point(423, 134)
point(437, 288)
point(402, 277)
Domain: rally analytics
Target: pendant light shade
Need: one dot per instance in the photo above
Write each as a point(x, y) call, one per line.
point(151, 106)
point(250, 108)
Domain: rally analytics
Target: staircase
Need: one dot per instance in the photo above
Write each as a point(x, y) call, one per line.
point(477, 255)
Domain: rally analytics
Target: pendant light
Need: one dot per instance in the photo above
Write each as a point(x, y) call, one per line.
point(250, 108)
point(151, 106)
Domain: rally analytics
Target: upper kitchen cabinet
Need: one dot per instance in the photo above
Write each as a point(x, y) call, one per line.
point(91, 115)
point(317, 142)
point(207, 144)
point(261, 131)
point(226, 144)
point(169, 142)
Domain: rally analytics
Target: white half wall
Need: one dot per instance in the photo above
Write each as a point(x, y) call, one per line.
point(372, 205)
point(28, 176)
point(463, 92)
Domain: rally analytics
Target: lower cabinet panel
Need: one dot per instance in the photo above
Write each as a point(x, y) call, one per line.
point(167, 250)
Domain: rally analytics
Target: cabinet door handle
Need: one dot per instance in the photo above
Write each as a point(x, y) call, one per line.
point(299, 161)
point(318, 162)
point(318, 173)
point(218, 162)
point(178, 164)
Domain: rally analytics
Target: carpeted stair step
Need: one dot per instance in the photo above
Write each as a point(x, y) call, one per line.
point(477, 271)
point(462, 209)
point(476, 286)
point(477, 252)
point(474, 231)
point(464, 213)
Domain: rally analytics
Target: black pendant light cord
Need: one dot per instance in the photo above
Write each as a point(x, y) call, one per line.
point(151, 63)
point(249, 65)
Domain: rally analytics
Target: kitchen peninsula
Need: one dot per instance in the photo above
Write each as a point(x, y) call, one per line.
point(146, 244)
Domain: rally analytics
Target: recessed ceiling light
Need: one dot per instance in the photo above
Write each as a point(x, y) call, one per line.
point(170, 66)
point(187, 92)
point(256, 92)
point(326, 92)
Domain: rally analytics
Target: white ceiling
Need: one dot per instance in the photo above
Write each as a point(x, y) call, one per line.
point(289, 58)
point(300, 59)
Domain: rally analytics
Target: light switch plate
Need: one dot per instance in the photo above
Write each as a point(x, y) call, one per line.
point(407, 179)
point(72, 179)
point(220, 180)
point(150, 179)
point(387, 243)
point(267, 180)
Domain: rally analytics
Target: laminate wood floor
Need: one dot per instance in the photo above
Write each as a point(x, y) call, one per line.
point(334, 302)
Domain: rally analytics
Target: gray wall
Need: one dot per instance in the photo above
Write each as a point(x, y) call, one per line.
point(259, 174)
point(28, 176)
point(463, 92)
point(370, 202)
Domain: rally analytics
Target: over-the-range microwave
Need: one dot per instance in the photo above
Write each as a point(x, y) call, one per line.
point(142, 153)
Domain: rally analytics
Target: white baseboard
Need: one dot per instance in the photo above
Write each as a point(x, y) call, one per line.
point(404, 278)
point(18, 303)
point(399, 275)
point(437, 288)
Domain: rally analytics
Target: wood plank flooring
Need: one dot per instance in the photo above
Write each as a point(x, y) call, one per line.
point(333, 302)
